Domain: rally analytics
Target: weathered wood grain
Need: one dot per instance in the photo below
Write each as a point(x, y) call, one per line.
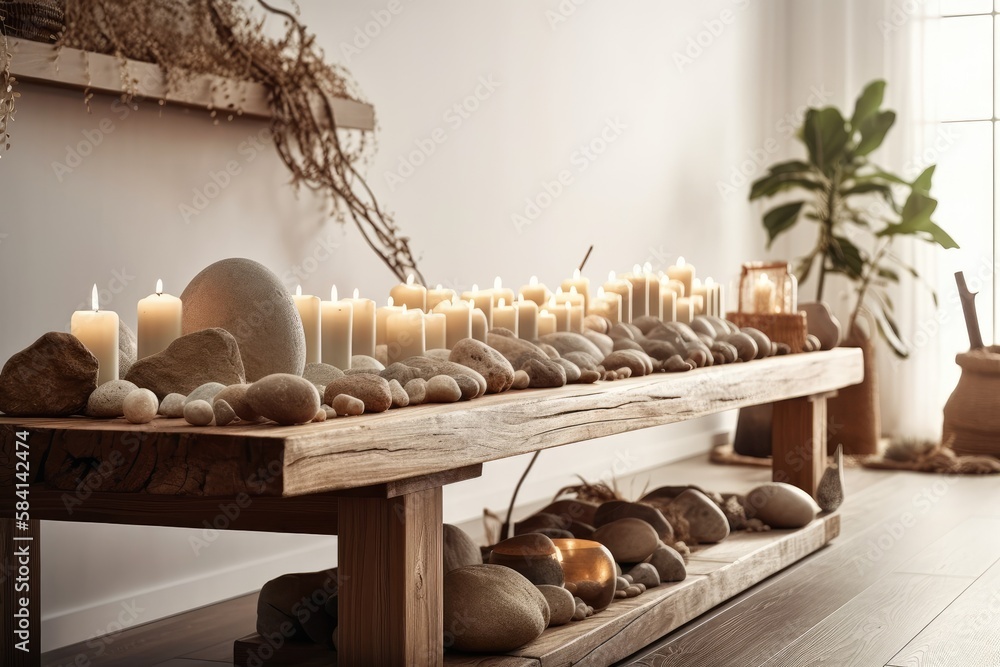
point(176, 459)
point(967, 550)
point(43, 63)
point(389, 567)
point(798, 441)
point(966, 634)
point(869, 629)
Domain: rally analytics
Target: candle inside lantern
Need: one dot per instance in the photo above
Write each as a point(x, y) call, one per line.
point(308, 307)
point(534, 291)
point(479, 324)
point(338, 325)
point(505, 317)
point(582, 287)
point(409, 294)
point(763, 295)
point(98, 331)
point(683, 272)
point(458, 320)
point(382, 320)
point(438, 295)
point(546, 322)
point(624, 289)
point(435, 331)
point(527, 318)
point(501, 292)
point(483, 300)
point(159, 322)
point(405, 334)
point(362, 326)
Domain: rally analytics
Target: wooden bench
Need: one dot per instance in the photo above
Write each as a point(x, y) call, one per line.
point(376, 482)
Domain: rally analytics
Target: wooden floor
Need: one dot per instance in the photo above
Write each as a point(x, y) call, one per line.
point(913, 580)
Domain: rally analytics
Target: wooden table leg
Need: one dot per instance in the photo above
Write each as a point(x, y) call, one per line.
point(390, 599)
point(20, 599)
point(798, 441)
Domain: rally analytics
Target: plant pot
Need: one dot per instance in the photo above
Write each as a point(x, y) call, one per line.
point(853, 417)
point(972, 413)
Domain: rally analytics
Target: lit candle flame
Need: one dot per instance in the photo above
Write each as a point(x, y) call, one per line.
point(357, 293)
point(298, 290)
point(572, 289)
point(95, 301)
point(600, 292)
point(389, 302)
point(647, 267)
point(500, 303)
point(544, 312)
point(680, 261)
point(409, 279)
point(439, 287)
point(576, 274)
point(520, 298)
point(333, 293)
point(552, 302)
point(611, 276)
point(159, 286)
point(763, 279)
point(568, 305)
point(636, 269)
point(497, 283)
point(709, 282)
point(534, 281)
point(475, 288)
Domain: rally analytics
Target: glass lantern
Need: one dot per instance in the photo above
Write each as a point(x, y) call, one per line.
point(768, 288)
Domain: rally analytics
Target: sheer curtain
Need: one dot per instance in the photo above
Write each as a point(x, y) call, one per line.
point(844, 44)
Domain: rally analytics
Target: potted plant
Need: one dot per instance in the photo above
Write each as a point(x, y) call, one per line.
point(860, 210)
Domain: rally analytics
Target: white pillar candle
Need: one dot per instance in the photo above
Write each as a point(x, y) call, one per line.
point(576, 318)
point(505, 317)
point(607, 304)
point(572, 296)
point(362, 326)
point(501, 292)
point(546, 322)
point(683, 272)
point(562, 313)
point(668, 304)
point(405, 335)
point(700, 290)
point(435, 331)
point(479, 324)
point(623, 288)
point(410, 294)
point(159, 322)
point(763, 295)
point(337, 319)
point(527, 318)
point(653, 304)
point(308, 307)
point(98, 331)
point(483, 300)
point(714, 291)
point(582, 286)
point(685, 309)
point(437, 295)
point(458, 320)
point(535, 291)
point(382, 320)
point(675, 286)
point(640, 292)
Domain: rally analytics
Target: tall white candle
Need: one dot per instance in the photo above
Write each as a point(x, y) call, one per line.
point(308, 307)
point(98, 331)
point(668, 303)
point(563, 315)
point(435, 331)
point(480, 326)
point(382, 320)
point(654, 307)
point(700, 290)
point(505, 317)
point(159, 322)
point(410, 294)
point(338, 329)
point(458, 320)
point(483, 300)
point(582, 286)
point(362, 326)
point(640, 292)
point(683, 272)
point(405, 335)
point(527, 318)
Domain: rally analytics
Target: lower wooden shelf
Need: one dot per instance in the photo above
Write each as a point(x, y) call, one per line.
point(715, 574)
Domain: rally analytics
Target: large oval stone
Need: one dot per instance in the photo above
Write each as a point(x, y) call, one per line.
point(629, 540)
point(285, 398)
point(781, 505)
point(458, 549)
point(249, 301)
point(491, 609)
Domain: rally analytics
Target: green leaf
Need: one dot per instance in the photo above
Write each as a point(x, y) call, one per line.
point(890, 332)
point(916, 220)
point(846, 257)
point(792, 166)
point(772, 185)
point(868, 187)
point(825, 136)
point(868, 103)
point(873, 131)
point(888, 274)
point(781, 218)
point(922, 183)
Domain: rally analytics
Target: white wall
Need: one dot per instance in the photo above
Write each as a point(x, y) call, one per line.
point(653, 194)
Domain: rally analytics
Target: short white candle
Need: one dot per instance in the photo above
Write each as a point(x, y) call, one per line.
point(505, 317)
point(546, 322)
point(159, 319)
point(685, 309)
point(624, 288)
point(608, 305)
point(654, 307)
point(582, 286)
point(640, 292)
point(483, 300)
point(534, 291)
point(435, 331)
point(458, 320)
point(501, 292)
point(338, 330)
point(700, 290)
point(362, 326)
point(683, 272)
point(563, 315)
point(410, 294)
point(308, 307)
point(405, 335)
point(98, 331)
point(668, 303)
point(479, 324)
point(527, 318)
point(437, 295)
point(572, 296)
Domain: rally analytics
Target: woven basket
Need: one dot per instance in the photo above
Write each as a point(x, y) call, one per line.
point(788, 328)
point(972, 413)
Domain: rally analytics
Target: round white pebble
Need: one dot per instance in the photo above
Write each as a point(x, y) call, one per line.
point(140, 406)
point(199, 413)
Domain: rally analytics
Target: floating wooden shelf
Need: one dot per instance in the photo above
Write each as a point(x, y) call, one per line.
point(44, 63)
point(376, 482)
